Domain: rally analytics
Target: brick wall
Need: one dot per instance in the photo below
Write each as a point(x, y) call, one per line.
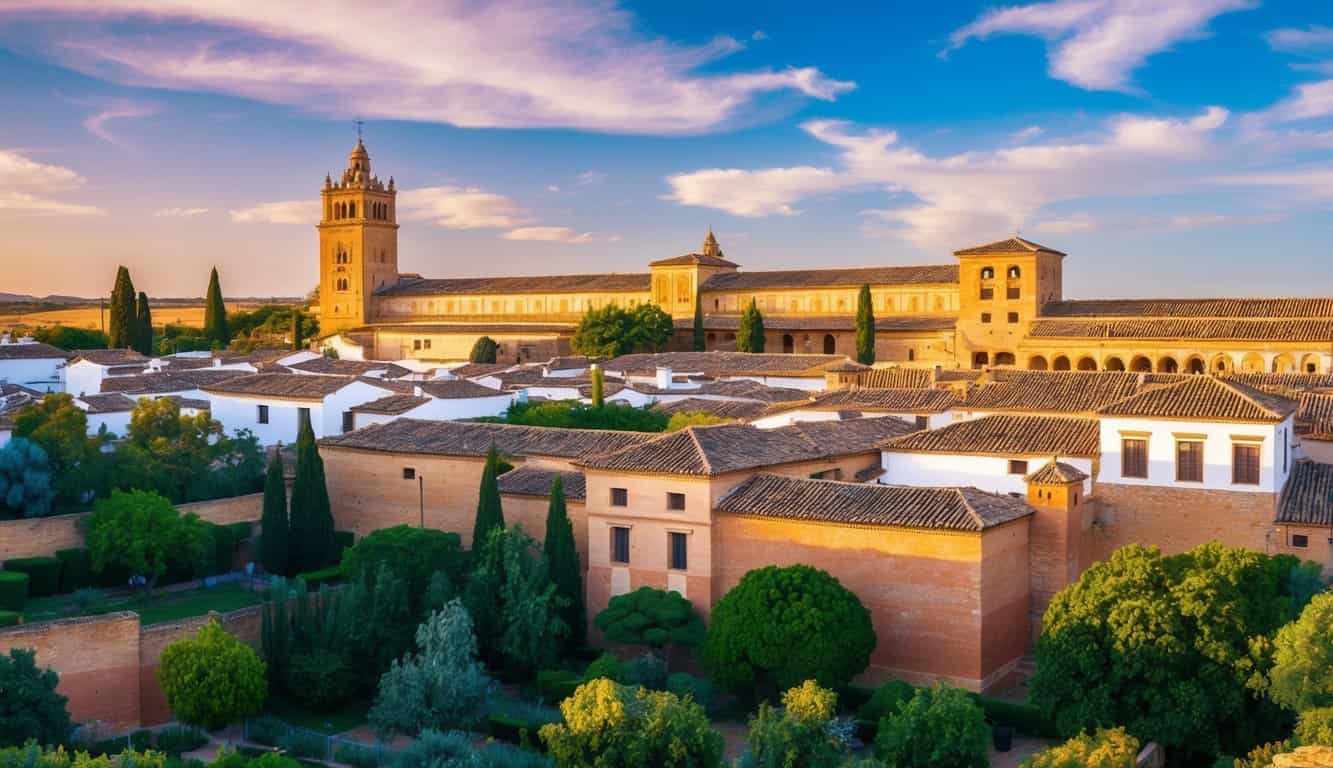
point(43, 536)
point(244, 623)
point(530, 512)
point(1178, 519)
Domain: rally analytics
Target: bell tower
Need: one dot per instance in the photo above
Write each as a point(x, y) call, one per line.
point(358, 243)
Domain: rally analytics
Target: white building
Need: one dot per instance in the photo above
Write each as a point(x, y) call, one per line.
point(439, 400)
point(271, 404)
point(33, 364)
point(926, 408)
point(107, 411)
point(85, 372)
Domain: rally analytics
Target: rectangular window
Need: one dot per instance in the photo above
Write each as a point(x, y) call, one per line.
point(348, 421)
point(1018, 467)
point(987, 293)
point(676, 502)
point(620, 544)
point(1189, 461)
point(1300, 540)
point(985, 317)
point(1013, 317)
point(416, 345)
point(678, 548)
point(263, 414)
point(1245, 464)
point(409, 473)
point(619, 497)
point(1134, 457)
point(425, 344)
point(1012, 292)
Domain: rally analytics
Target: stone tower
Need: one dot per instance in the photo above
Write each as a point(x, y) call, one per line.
point(358, 243)
point(1058, 534)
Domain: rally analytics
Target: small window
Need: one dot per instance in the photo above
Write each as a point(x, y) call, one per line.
point(1018, 467)
point(619, 497)
point(1300, 540)
point(985, 317)
point(1245, 464)
point(678, 546)
point(349, 421)
point(1013, 317)
point(1014, 272)
point(263, 414)
point(620, 544)
point(1134, 457)
point(409, 473)
point(1189, 461)
point(1013, 292)
point(426, 344)
point(416, 344)
point(988, 273)
point(987, 293)
point(676, 502)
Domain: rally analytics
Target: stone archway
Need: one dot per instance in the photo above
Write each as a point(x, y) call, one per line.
point(1195, 364)
point(830, 344)
point(1004, 358)
point(1253, 362)
point(1140, 364)
point(1037, 363)
point(1284, 363)
point(1113, 363)
point(1060, 363)
point(1087, 364)
point(1221, 363)
point(1310, 364)
point(1167, 365)
point(788, 344)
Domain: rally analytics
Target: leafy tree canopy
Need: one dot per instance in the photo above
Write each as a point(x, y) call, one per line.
point(611, 331)
point(68, 337)
point(1106, 748)
point(30, 707)
point(25, 479)
point(796, 735)
point(652, 617)
point(571, 414)
point(212, 679)
point(484, 350)
point(941, 727)
point(140, 532)
point(680, 421)
point(1302, 676)
point(415, 555)
point(513, 602)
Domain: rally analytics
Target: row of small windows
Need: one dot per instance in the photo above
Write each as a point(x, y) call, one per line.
point(1245, 464)
point(817, 305)
point(677, 548)
point(347, 210)
point(1221, 363)
point(675, 502)
point(1013, 273)
point(1012, 317)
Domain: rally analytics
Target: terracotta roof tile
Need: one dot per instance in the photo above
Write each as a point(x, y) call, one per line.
point(1181, 328)
point(109, 356)
point(1008, 245)
point(109, 403)
point(742, 410)
point(692, 259)
point(477, 370)
point(32, 351)
point(1196, 308)
point(391, 405)
point(296, 386)
point(603, 283)
point(471, 438)
point(1058, 473)
point(1280, 381)
point(1006, 435)
point(750, 390)
point(456, 389)
point(532, 481)
point(898, 377)
point(1307, 498)
point(724, 363)
point(825, 501)
point(930, 274)
point(883, 400)
point(1052, 391)
point(169, 380)
point(331, 365)
point(1203, 397)
point(776, 322)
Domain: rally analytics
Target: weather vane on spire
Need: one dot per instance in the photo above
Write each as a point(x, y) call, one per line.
point(359, 122)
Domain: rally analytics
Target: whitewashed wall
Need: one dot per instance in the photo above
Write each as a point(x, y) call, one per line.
point(242, 412)
point(42, 374)
point(1217, 442)
point(988, 473)
point(787, 418)
point(84, 378)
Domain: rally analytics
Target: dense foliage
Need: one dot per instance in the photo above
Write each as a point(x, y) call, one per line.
point(1302, 676)
point(32, 755)
point(798, 734)
point(140, 533)
point(122, 327)
point(513, 603)
point(698, 341)
point(679, 421)
point(212, 679)
point(215, 313)
point(940, 727)
point(1177, 649)
point(185, 458)
point(652, 617)
point(61, 429)
point(490, 516)
point(1315, 727)
point(275, 543)
point(69, 337)
point(611, 331)
point(598, 387)
point(572, 414)
point(781, 626)
point(607, 725)
point(30, 707)
point(562, 557)
point(311, 544)
point(1106, 748)
point(25, 479)
point(865, 327)
point(750, 332)
point(413, 555)
point(484, 350)
point(443, 685)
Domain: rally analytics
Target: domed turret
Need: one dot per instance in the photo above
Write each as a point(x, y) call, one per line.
point(359, 159)
point(711, 247)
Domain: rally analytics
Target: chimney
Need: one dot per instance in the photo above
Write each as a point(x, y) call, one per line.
point(416, 392)
point(663, 378)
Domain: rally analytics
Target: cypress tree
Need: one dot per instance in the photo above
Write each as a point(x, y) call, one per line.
point(143, 321)
point(274, 541)
point(700, 342)
point(297, 330)
point(598, 387)
point(750, 334)
point(865, 327)
point(215, 313)
point(562, 558)
point(489, 515)
point(122, 329)
point(311, 528)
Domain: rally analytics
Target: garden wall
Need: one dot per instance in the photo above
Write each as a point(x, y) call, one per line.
point(43, 536)
point(108, 664)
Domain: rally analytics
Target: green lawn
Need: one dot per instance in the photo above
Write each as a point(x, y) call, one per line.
point(347, 717)
point(164, 606)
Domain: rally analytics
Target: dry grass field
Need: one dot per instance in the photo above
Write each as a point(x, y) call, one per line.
point(90, 317)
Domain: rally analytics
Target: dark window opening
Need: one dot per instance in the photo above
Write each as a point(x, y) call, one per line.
point(1245, 464)
point(1189, 461)
point(409, 473)
point(620, 545)
point(676, 502)
point(985, 317)
point(1018, 467)
point(1013, 317)
point(263, 414)
point(678, 545)
point(349, 421)
point(1300, 540)
point(619, 497)
point(1134, 457)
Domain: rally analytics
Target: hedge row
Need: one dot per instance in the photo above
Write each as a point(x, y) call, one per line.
point(9, 618)
point(515, 730)
point(43, 574)
point(76, 569)
point(314, 579)
point(883, 702)
point(13, 590)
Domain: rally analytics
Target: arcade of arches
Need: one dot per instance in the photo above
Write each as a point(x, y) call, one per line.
point(1196, 362)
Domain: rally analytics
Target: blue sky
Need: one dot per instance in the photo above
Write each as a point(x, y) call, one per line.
point(1177, 149)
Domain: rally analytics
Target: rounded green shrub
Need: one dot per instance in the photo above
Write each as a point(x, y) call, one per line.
point(43, 574)
point(76, 569)
point(609, 666)
point(886, 700)
point(13, 590)
point(1315, 727)
point(10, 618)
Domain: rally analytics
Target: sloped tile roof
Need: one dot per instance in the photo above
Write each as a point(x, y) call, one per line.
point(532, 481)
point(777, 322)
point(456, 389)
point(1057, 472)
point(295, 386)
point(32, 351)
point(1052, 391)
point(1203, 397)
point(751, 390)
point(331, 365)
point(1307, 498)
point(742, 410)
point(1008, 245)
point(719, 449)
point(1321, 308)
point(930, 274)
point(899, 377)
point(477, 370)
point(109, 356)
point(391, 405)
point(1180, 328)
point(693, 258)
point(1314, 415)
point(1281, 381)
point(885, 400)
point(470, 438)
point(603, 283)
point(825, 501)
point(725, 363)
point(169, 380)
point(110, 403)
point(1007, 434)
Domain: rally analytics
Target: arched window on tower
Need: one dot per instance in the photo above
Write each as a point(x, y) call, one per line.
point(988, 273)
point(351, 210)
point(341, 284)
point(1014, 272)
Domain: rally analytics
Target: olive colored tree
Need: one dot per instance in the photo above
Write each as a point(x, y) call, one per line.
point(143, 326)
point(865, 327)
point(652, 617)
point(484, 350)
point(1302, 676)
point(275, 540)
point(798, 734)
point(30, 707)
point(750, 333)
point(1106, 748)
point(312, 544)
point(215, 313)
point(122, 328)
point(212, 679)
point(779, 627)
point(940, 727)
point(562, 558)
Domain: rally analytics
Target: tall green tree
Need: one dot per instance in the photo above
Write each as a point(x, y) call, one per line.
point(298, 342)
point(312, 543)
point(699, 342)
point(598, 387)
point(490, 516)
point(215, 313)
point(610, 331)
point(750, 334)
point(484, 350)
point(865, 327)
point(30, 707)
point(275, 538)
point(1302, 676)
point(122, 331)
point(562, 558)
point(61, 429)
point(143, 326)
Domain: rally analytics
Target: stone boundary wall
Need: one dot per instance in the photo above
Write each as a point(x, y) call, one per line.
point(108, 664)
point(43, 536)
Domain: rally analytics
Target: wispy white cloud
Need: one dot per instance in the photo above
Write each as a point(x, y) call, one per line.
point(27, 186)
point(1064, 225)
point(590, 177)
point(1097, 44)
point(1292, 40)
point(759, 34)
point(97, 123)
point(284, 212)
point(172, 213)
point(580, 64)
point(1027, 134)
point(552, 187)
point(753, 193)
point(548, 235)
point(460, 208)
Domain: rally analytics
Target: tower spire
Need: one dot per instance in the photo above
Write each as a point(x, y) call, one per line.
point(359, 122)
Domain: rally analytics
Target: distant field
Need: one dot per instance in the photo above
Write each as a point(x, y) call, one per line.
point(89, 317)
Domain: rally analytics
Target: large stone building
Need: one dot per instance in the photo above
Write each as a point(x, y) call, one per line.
point(1000, 304)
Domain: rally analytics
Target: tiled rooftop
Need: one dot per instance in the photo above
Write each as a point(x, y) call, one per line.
point(897, 378)
point(1203, 397)
point(742, 410)
point(469, 438)
point(110, 403)
point(1187, 329)
point(533, 481)
point(884, 400)
point(603, 283)
point(169, 380)
point(32, 351)
point(332, 365)
point(1193, 308)
point(1008, 245)
point(1006, 434)
point(1051, 391)
point(295, 386)
point(1307, 498)
point(392, 405)
point(1057, 472)
point(725, 363)
point(456, 389)
point(930, 274)
point(825, 501)
point(110, 356)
